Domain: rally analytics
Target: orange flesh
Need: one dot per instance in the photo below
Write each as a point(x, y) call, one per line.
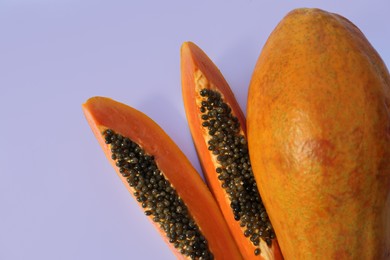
point(198, 72)
point(104, 113)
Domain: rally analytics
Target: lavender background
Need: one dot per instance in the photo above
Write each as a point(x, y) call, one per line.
point(59, 197)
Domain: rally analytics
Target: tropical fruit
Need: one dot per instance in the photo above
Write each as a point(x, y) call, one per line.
point(318, 120)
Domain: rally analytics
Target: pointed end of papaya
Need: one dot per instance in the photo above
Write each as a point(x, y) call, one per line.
point(188, 47)
point(188, 60)
point(88, 108)
point(190, 52)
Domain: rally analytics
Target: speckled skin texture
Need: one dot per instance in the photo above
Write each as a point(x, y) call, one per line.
point(318, 119)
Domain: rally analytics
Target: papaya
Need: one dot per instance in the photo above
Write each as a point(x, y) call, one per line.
point(218, 128)
point(318, 122)
point(162, 180)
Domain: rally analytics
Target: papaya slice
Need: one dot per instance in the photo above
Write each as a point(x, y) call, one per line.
point(319, 130)
point(217, 126)
point(163, 181)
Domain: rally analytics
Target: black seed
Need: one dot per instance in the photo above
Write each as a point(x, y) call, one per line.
point(190, 234)
point(257, 251)
point(108, 132)
point(254, 237)
point(204, 92)
point(125, 173)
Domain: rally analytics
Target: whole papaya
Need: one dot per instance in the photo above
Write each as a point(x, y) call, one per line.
point(318, 118)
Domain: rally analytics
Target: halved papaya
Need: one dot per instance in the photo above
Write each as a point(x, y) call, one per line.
point(218, 129)
point(162, 180)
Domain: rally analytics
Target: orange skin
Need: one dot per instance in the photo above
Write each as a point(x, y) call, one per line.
point(319, 138)
point(103, 113)
point(194, 59)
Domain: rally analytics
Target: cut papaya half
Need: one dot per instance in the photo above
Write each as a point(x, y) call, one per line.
point(162, 180)
point(217, 126)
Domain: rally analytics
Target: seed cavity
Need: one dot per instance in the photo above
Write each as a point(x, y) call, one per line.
point(228, 145)
point(157, 196)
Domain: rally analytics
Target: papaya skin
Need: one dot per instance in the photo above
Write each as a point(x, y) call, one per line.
point(319, 138)
point(198, 72)
point(104, 113)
